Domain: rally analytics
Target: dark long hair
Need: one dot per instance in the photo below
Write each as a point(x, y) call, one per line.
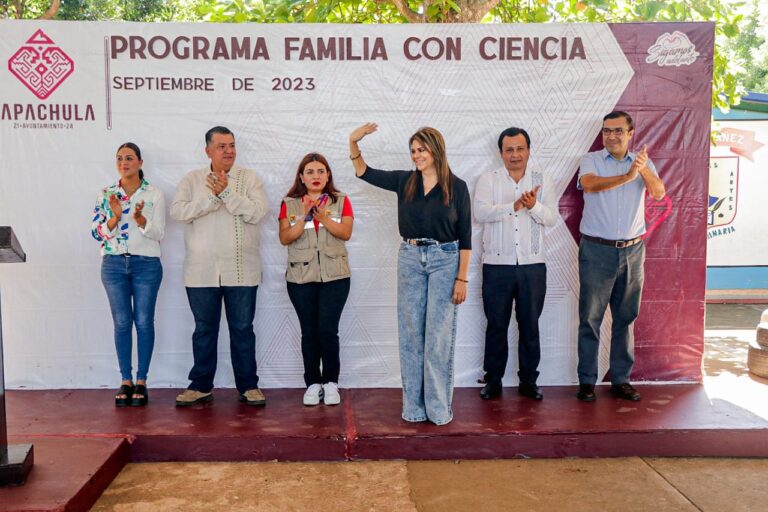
point(135, 149)
point(299, 189)
point(435, 143)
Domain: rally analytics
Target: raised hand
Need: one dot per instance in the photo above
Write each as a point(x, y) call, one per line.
point(309, 207)
point(138, 216)
point(361, 131)
point(641, 158)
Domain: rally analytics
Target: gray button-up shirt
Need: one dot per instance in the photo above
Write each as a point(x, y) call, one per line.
point(619, 213)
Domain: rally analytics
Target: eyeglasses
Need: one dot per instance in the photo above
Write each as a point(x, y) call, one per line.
point(615, 131)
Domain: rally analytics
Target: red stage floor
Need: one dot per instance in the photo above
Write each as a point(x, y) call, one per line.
point(69, 474)
point(82, 441)
point(671, 420)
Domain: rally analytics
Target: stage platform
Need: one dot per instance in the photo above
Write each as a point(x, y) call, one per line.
point(82, 441)
point(70, 473)
point(671, 420)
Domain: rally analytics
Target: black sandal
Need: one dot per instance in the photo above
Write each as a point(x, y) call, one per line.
point(126, 390)
point(140, 389)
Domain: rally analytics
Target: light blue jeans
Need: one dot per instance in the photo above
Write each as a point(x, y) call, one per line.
point(427, 329)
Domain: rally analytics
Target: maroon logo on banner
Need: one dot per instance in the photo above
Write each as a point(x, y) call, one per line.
point(40, 65)
point(656, 212)
point(673, 49)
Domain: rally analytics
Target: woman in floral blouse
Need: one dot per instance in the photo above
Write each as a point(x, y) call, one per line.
point(129, 221)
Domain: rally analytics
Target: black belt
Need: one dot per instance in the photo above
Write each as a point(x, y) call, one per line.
point(619, 244)
point(421, 241)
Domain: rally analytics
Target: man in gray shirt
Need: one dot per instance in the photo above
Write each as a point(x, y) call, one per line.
point(612, 252)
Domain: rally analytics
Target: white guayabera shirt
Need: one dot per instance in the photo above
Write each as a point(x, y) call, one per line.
point(513, 237)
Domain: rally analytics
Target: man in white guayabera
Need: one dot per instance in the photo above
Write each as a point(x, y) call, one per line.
point(221, 205)
point(514, 204)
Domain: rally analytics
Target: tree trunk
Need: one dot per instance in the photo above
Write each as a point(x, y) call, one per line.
point(52, 10)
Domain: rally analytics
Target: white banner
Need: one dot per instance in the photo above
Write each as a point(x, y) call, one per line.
point(284, 90)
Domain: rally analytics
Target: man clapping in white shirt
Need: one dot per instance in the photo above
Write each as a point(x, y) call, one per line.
point(513, 204)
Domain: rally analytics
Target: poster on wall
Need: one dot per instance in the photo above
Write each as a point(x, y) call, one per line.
point(73, 92)
point(738, 178)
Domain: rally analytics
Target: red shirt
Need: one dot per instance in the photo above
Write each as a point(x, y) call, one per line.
point(346, 211)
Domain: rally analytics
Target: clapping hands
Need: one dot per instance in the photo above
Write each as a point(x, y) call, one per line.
point(138, 216)
point(528, 199)
point(217, 181)
point(640, 160)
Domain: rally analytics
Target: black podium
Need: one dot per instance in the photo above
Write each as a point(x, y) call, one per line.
point(15, 460)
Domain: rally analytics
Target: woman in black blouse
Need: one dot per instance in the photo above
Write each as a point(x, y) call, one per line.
point(434, 218)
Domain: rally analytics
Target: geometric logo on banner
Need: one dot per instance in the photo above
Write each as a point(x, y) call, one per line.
point(40, 65)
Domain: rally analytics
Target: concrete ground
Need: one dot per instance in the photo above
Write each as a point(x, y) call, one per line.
point(625, 484)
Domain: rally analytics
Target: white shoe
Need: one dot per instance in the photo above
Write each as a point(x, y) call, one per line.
point(331, 394)
point(313, 394)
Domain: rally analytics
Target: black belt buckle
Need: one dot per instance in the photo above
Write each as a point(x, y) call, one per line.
point(420, 242)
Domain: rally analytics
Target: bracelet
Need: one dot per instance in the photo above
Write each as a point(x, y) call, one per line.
point(461, 280)
point(355, 157)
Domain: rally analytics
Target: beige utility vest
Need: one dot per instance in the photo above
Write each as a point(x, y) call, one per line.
point(316, 255)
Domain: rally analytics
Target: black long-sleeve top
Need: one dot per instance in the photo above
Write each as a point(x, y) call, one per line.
point(427, 216)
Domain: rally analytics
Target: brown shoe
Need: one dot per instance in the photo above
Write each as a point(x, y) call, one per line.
point(192, 397)
point(253, 397)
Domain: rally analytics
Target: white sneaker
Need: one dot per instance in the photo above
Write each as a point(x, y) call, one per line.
point(313, 394)
point(331, 394)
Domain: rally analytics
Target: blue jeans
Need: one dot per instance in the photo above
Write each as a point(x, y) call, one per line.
point(608, 276)
point(240, 306)
point(132, 283)
point(427, 329)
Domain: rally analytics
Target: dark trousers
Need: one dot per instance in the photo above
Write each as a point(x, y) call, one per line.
point(240, 306)
point(319, 307)
point(613, 277)
point(526, 286)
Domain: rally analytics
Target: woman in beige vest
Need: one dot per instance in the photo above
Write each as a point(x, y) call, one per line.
point(315, 221)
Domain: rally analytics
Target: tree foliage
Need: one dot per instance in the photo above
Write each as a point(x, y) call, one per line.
point(751, 47)
point(100, 10)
